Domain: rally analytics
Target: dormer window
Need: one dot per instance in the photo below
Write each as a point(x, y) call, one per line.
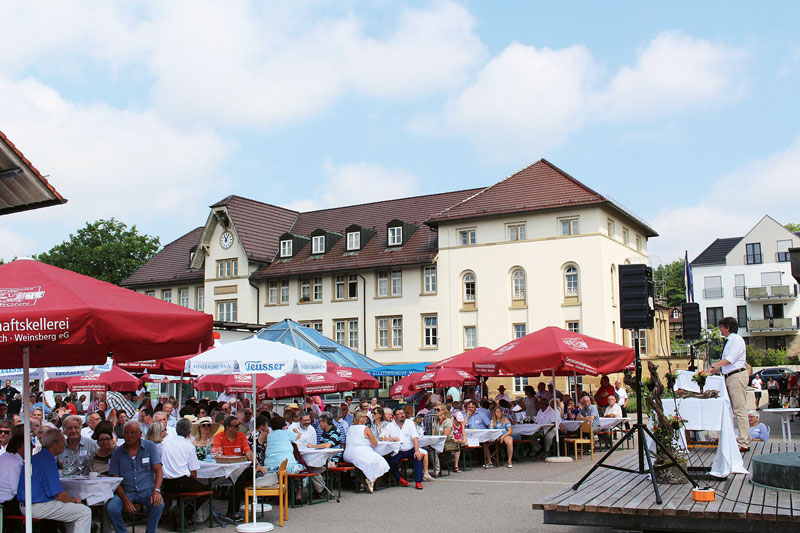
point(286, 248)
point(353, 240)
point(318, 244)
point(396, 236)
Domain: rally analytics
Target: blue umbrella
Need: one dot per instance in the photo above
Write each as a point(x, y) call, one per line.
point(397, 370)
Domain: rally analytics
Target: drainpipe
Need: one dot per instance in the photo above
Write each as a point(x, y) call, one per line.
point(364, 323)
point(258, 300)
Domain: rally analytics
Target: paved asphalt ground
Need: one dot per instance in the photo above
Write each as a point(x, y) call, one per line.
point(497, 499)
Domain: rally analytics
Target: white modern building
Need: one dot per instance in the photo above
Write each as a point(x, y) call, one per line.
point(412, 279)
point(750, 278)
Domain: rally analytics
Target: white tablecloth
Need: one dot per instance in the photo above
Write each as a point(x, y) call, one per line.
point(229, 470)
point(570, 425)
point(386, 447)
point(715, 382)
point(434, 441)
point(712, 414)
point(317, 457)
point(476, 436)
point(602, 423)
point(527, 429)
point(94, 490)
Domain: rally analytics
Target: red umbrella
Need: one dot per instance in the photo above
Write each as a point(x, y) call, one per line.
point(404, 387)
point(444, 377)
point(462, 361)
point(554, 350)
point(169, 366)
point(232, 383)
point(295, 385)
point(66, 318)
point(157, 378)
point(361, 379)
point(115, 379)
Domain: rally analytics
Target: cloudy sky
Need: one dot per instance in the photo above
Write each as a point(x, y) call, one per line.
point(686, 113)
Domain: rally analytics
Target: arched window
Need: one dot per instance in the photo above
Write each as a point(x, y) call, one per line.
point(469, 288)
point(518, 284)
point(571, 283)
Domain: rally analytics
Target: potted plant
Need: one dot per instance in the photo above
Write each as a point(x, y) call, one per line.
point(700, 378)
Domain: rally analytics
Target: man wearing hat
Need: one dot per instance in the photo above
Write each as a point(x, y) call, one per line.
point(502, 394)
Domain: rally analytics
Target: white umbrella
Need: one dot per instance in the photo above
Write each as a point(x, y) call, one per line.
point(45, 373)
point(255, 356)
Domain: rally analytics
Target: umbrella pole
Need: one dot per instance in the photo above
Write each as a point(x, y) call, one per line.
point(558, 415)
point(254, 526)
point(180, 392)
point(26, 391)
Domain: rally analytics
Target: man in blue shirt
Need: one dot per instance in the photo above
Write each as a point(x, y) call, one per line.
point(138, 463)
point(476, 419)
point(48, 498)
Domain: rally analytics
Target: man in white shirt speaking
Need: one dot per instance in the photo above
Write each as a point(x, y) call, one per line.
point(732, 366)
point(179, 464)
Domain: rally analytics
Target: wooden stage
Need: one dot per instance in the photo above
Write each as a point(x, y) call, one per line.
point(626, 501)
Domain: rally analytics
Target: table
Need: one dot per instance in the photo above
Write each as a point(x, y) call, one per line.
point(527, 429)
point(318, 457)
point(387, 447)
point(477, 436)
point(95, 491)
point(434, 441)
point(785, 413)
point(711, 414)
point(229, 470)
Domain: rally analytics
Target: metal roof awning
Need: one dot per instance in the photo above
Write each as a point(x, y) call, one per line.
point(22, 187)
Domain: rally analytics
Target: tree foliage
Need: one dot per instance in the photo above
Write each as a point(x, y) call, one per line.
point(670, 284)
point(794, 228)
point(105, 249)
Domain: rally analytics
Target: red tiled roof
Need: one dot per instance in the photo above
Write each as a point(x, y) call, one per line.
point(20, 193)
point(169, 265)
point(420, 248)
point(259, 225)
point(542, 185)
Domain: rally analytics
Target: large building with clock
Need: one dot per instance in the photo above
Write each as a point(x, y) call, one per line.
point(412, 279)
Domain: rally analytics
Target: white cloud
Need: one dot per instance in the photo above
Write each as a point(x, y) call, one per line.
point(107, 162)
point(528, 100)
point(14, 244)
point(732, 207)
point(358, 183)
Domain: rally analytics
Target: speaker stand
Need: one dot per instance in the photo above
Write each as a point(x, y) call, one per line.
point(639, 430)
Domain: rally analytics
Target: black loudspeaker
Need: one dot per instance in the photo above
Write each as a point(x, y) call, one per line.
point(691, 321)
point(794, 255)
point(636, 297)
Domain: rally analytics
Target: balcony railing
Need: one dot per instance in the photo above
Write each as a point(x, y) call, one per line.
point(769, 325)
point(712, 293)
point(774, 292)
point(753, 259)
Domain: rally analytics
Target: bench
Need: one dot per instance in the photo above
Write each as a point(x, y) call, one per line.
point(193, 496)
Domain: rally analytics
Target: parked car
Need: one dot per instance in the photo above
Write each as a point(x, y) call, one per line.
point(775, 372)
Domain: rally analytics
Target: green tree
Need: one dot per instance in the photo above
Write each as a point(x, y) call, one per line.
point(669, 283)
point(105, 249)
point(794, 228)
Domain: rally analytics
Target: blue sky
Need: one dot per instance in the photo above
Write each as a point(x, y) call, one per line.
point(684, 112)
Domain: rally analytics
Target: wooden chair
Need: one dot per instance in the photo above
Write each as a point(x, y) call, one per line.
point(581, 439)
point(281, 491)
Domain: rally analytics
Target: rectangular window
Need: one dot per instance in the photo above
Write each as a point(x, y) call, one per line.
point(429, 280)
point(574, 326)
point(305, 290)
point(340, 331)
point(783, 251)
point(272, 293)
point(352, 334)
point(352, 286)
point(284, 291)
point(738, 285)
point(318, 244)
point(200, 298)
point(183, 297)
point(228, 268)
point(397, 332)
point(519, 385)
point(520, 330)
point(166, 295)
point(516, 232)
point(390, 332)
point(638, 243)
point(466, 237)
point(713, 316)
point(741, 316)
point(353, 240)
point(430, 331)
point(754, 254)
point(626, 237)
point(643, 341)
point(610, 228)
point(773, 311)
point(338, 290)
point(286, 248)
point(150, 293)
point(382, 284)
point(569, 226)
point(396, 236)
point(712, 287)
point(470, 337)
point(397, 282)
point(227, 312)
point(383, 333)
point(317, 295)
point(316, 324)
point(770, 279)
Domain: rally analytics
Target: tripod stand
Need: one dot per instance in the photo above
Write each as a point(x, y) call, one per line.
point(638, 429)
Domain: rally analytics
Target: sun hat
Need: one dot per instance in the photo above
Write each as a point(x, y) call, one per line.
point(460, 416)
point(204, 420)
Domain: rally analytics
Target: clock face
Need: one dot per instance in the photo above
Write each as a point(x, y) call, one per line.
point(226, 240)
